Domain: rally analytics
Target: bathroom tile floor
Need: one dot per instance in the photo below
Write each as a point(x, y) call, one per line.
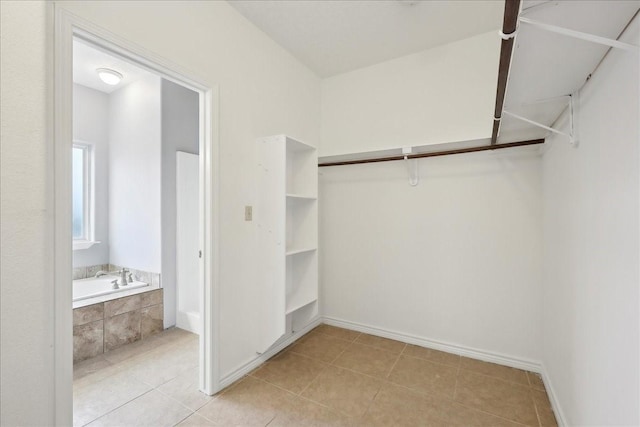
point(330, 377)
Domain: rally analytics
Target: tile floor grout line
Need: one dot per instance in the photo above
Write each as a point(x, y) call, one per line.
point(372, 400)
point(301, 397)
point(314, 378)
point(340, 354)
point(387, 381)
point(200, 415)
point(396, 362)
point(324, 405)
point(377, 347)
point(375, 377)
point(535, 407)
point(431, 360)
point(459, 365)
point(491, 376)
point(276, 386)
point(361, 373)
point(184, 419)
point(332, 336)
point(118, 407)
point(492, 414)
point(176, 400)
point(455, 387)
point(303, 355)
point(346, 369)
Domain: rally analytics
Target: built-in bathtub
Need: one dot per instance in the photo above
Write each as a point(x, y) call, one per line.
point(84, 289)
point(105, 318)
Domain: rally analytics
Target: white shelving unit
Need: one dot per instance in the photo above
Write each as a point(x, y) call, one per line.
point(287, 217)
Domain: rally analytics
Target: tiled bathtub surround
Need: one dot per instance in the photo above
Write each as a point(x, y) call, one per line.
point(90, 271)
point(99, 328)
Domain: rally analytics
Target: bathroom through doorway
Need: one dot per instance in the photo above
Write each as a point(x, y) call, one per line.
point(105, 175)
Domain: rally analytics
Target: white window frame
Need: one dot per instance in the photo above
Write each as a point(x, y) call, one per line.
point(88, 227)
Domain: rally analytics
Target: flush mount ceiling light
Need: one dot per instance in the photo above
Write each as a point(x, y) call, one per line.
point(110, 77)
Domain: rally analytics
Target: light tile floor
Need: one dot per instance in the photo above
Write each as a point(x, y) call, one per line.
point(330, 377)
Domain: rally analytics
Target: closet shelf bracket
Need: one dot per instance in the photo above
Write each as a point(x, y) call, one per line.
point(412, 166)
point(578, 34)
point(573, 128)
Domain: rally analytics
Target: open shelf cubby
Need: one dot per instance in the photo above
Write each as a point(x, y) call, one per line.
point(288, 228)
point(301, 280)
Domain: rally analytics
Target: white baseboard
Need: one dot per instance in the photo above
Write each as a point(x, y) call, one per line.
point(275, 349)
point(553, 398)
point(501, 359)
point(189, 321)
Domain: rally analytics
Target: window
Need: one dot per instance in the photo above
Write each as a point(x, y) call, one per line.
point(82, 221)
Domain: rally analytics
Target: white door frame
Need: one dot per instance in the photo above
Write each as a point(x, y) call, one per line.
point(68, 26)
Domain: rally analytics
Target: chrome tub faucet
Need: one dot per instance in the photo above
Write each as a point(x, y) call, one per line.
point(101, 273)
point(123, 277)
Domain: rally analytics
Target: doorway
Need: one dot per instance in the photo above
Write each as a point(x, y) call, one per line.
point(68, 29)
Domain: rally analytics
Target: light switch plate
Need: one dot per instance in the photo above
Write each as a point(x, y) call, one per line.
point(248, 213)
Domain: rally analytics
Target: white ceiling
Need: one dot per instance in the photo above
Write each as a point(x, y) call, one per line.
point(547, 65)
point(87, 59)
point(333, 37)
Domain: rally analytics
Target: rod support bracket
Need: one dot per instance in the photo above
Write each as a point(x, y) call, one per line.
point(573, 119)
point(572, 134)
point(578, 34)
point(412, 166)
point(508, 36)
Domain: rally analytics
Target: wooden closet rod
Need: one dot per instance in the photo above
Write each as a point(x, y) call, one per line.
point(435, 153)
point(509, 25)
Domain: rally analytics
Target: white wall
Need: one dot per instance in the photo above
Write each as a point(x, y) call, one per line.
point(134, 175)
point(26, 203)
point(442, 94)
point(91, 125)
point(456, 259)
point(180, 132)
point(263, 91)
point(591, 251)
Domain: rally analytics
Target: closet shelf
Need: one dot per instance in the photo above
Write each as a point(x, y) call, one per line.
point(551, 62)
point(299, 251)
point(300, 197)
point(297, 303)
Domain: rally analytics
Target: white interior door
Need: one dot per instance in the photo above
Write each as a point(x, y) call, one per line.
point(187, 242)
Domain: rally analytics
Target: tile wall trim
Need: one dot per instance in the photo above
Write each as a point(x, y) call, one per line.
point(287, 340)
point(89, 271)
